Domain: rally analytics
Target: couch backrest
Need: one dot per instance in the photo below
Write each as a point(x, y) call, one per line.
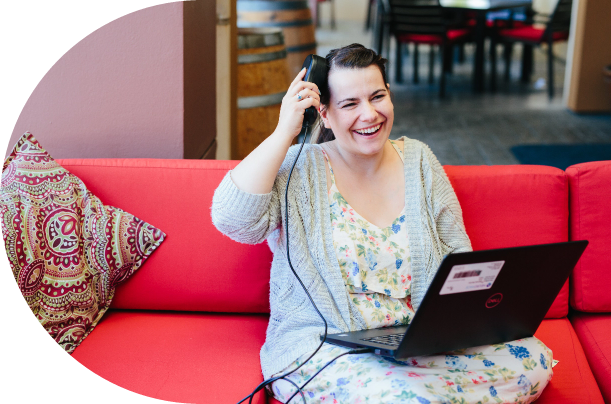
point(196, 268)
point(590, 207)
point(510, 206)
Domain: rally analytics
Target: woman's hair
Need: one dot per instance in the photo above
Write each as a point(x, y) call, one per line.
point(354, 56)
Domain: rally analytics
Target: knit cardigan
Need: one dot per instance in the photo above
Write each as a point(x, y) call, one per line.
point(434, 224)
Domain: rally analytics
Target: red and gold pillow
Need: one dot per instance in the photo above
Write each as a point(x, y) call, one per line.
point(67, 250)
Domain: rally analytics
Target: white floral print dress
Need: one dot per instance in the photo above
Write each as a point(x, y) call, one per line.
point(375, 265)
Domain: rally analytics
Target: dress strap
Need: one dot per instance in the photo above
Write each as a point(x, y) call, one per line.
point(397, 148)
point(330, 168)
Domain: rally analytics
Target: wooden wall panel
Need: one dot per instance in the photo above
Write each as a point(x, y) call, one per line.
point(199, 20)
point(591, 52)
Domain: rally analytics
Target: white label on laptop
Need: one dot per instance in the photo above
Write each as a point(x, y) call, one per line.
point(471, 277)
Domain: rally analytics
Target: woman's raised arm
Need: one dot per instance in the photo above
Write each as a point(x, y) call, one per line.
point(257, 172)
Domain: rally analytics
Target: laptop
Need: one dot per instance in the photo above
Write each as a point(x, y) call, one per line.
point(477, 298)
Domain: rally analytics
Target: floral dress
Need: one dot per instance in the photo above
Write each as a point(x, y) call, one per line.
point(375, 264)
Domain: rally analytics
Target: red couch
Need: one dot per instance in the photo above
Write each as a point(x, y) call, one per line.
point(188, 326)
point(590, 187)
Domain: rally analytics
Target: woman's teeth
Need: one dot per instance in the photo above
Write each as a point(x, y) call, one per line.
point(368, 131)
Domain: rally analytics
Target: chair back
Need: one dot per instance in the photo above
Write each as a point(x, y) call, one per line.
point(416, 17)
point(560, 20)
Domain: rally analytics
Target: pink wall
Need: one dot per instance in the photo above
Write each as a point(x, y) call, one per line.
point(119, 92)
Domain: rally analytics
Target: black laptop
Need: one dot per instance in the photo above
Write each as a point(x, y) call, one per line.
point(477, 298)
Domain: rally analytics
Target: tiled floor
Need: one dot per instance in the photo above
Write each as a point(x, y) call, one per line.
point(473, 129)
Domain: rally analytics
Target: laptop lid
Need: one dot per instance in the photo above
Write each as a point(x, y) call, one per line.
point(478, 298)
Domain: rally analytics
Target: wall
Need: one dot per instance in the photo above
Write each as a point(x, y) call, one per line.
point(122, 90)
point(346, 10)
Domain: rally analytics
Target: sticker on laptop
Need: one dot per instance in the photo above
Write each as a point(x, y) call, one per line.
point(471, 277)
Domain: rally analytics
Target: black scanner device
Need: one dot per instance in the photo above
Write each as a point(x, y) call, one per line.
point(316, 72)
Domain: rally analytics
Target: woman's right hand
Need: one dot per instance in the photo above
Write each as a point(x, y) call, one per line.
point(300, 96)
point(257, 172)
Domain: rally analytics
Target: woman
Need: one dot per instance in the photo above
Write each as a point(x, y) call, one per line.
point(369, 221)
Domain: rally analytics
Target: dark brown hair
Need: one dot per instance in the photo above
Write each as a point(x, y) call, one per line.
point(354, 56)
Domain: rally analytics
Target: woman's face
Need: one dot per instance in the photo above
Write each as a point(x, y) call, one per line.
point(360, 111)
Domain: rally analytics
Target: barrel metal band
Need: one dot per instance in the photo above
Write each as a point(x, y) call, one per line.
point(258, 5)
point(260, 100)
point(281, 24)
point(301, 48)
point(248, 40)
point(261, 57)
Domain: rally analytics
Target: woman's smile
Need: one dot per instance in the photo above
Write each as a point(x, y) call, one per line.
point(370, 130)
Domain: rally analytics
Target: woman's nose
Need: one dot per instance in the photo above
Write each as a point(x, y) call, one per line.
point(368, 113)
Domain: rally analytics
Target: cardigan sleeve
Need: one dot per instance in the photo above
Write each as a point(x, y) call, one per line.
point(251, 218)
point(446, 210)
point(242, 216)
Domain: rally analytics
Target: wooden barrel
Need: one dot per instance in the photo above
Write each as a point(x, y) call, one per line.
point(292, 16)
point(263, 79)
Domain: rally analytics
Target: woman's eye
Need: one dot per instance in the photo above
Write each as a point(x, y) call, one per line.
point(377, 97)
point(348, 105)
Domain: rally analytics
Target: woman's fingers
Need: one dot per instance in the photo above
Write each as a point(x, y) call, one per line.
point(304, 104)
point(299, 96)
point(307, 93)
point(298, 78)
point(304, 85)
point(298, 84)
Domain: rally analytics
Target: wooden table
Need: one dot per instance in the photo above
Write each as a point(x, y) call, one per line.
point(481, 8)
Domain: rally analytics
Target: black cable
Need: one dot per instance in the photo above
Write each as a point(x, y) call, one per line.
point(299, 390)
point(324, 337)
point(288, 256)
point(350, 352)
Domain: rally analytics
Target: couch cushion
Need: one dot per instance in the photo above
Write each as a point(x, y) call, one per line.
point(180, 357)
point(590, 188)
point(594, 332)
point(196, 268)
point(509, 206)
point(68, 251)
point(573, 381)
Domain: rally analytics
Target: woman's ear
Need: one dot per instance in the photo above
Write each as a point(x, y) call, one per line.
point(324, 117)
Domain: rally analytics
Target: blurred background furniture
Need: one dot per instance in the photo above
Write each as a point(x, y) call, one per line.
point(332, 6)
point(475, 12)
point(544, 29)
point(263, 77)
point(479, 9)
point(371, 10)
point(294, 17)
point(425, 22)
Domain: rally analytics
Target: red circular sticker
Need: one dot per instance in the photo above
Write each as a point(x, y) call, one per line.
point(494, 300)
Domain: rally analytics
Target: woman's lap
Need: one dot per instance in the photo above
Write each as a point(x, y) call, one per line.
point(517, 371)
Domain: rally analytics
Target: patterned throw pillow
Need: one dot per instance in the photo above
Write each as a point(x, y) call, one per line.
point(67, 250)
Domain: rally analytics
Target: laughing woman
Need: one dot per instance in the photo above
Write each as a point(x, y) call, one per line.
point(370, 220)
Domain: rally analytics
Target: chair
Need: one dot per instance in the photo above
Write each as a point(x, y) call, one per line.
point(332, 4)
point(425, 22)
point(556, 29)
point(371, 6)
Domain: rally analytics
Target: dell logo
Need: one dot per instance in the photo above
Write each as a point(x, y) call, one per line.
point(494, 300)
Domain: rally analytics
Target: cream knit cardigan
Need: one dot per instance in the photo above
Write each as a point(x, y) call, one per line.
point(435, 228)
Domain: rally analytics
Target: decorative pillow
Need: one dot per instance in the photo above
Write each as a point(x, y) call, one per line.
point(67, 250)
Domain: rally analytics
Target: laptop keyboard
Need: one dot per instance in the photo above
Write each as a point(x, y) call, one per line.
point(391, 340)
